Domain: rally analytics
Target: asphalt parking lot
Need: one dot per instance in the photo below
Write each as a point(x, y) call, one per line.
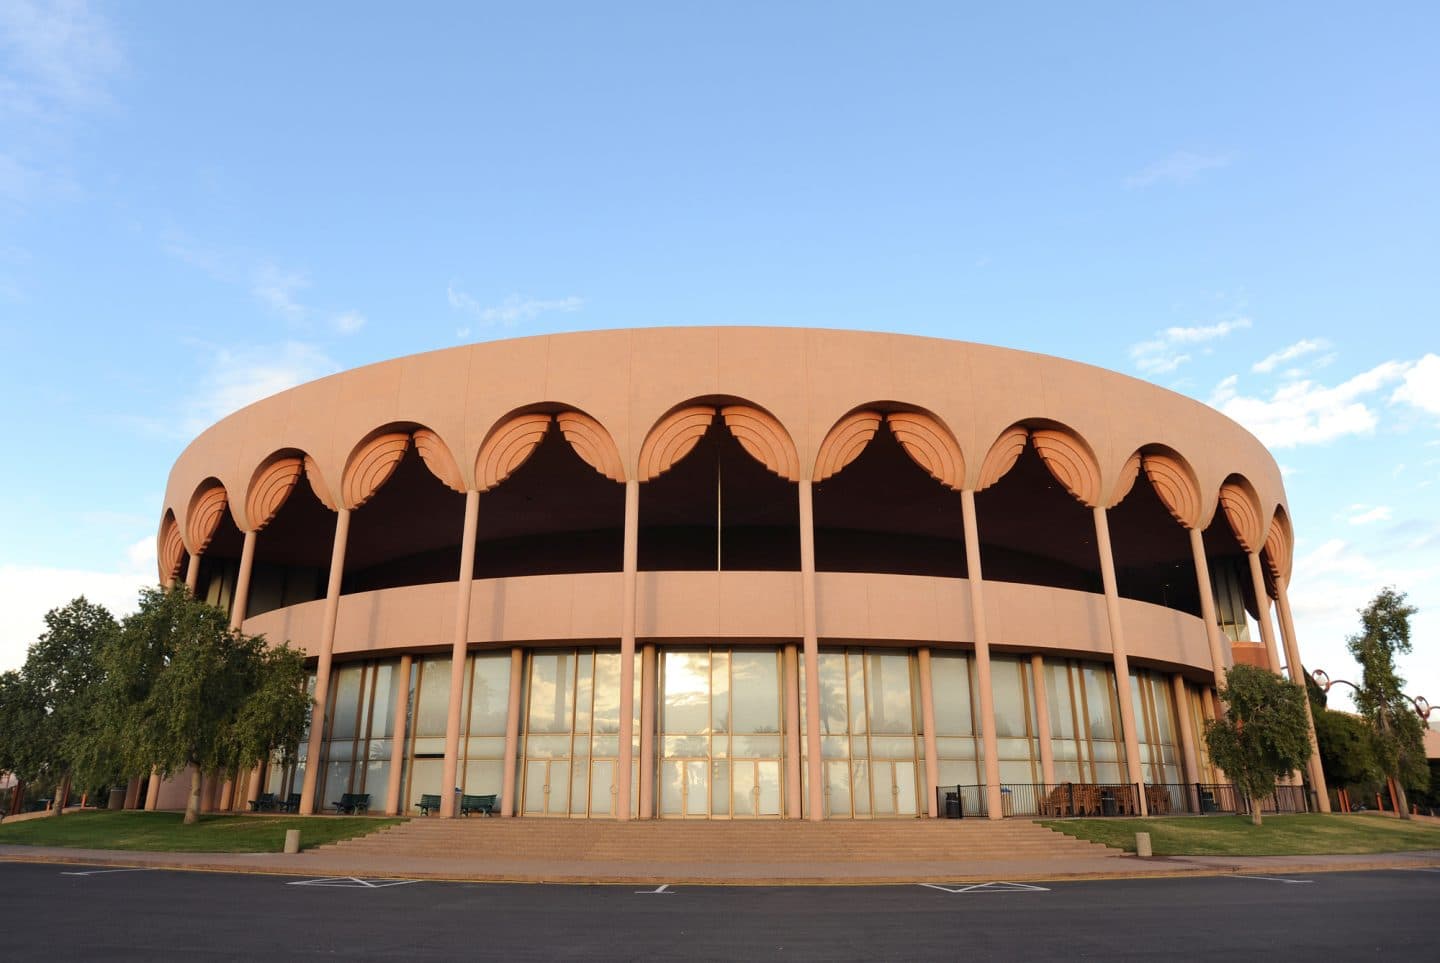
point(69, 911)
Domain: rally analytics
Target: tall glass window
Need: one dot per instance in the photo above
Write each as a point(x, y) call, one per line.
point(487, 685)
point(1085, 732)
point(429, 717)
point(720, 745)
point(1201, 710)
point(571, 743)
point(286, 781)
point(957, 725)
point(1017, 741)
point(1156, 726)
point(869, 732)
point(358, 750)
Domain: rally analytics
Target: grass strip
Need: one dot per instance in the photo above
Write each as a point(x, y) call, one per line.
point(166, 832)
point(1309, 834)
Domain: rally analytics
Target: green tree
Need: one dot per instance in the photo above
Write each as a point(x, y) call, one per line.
point(1343, 740)
point(186, 690)
point(1264, 734)
point(1397, 735)
point(44, 720)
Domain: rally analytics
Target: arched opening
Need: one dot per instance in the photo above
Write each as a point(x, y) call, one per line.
point(292, 552)
point(1153, 561)
point(882, 512)
point(718, 508)
point(1235, 603)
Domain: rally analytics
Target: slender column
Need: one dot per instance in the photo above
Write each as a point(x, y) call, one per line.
point(512, 732)
point(1042, 719)
point(795, 804)
point(1297, 675)
point(257, 779)
point(1262, 611)
point(192, 574)
point(457, 655)
point(226, 802)
point(982, 656)
point(132, 792)
point(815, 773)
point(399, 738)
point(1117, 648)
point(241, 601)
point(152, 791)
point(627, 649)
point(313, 763)
point(1207, 605)
point(927, 719)
point(1188, 745)
point(647, 731)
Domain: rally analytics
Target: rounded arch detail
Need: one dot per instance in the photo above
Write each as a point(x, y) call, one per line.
point(171, 549)
point(845, 441)
point(592, 443)
point(1242, 511)
point(371, 466)
point(317, 484)
point(672, 438)
point(767, 441)
point(1129, 472)
point(509, 445)
point(1175, 485)
point(1002, 456)
point(1280, 547)
point(437, 457)
point(206, 509)
point(930, 445)
point(270, 486)
point(1070, 462)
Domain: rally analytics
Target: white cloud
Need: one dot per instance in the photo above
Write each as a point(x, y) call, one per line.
point(54, 57)
point(276, 288)
point(1364, 515)
point(141, 555)
point(1297, 350)
point(512, 310)
point(27, 592)
point(237, 377)
point(1167, 350)
point(348, 322)
point(1422, 385)
point(1178, 168)
point(1306, 413)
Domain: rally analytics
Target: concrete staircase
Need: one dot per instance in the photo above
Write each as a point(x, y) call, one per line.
point(654, 843)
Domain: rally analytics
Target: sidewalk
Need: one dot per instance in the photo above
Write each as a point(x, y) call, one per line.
point(338, 863)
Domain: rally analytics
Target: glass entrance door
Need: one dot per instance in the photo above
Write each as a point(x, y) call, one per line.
point(720, 744)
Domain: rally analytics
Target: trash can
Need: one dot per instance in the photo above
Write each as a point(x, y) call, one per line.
point(952, 805)
point(1107, 804)
point(116, 801)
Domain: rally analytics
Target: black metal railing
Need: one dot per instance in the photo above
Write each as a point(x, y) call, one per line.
point(957, 802)
point(1037, 800)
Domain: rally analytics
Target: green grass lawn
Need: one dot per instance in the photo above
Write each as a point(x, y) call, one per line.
point(165, 832)
point(1309, 834)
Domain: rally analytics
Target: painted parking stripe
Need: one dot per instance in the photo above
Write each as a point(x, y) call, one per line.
point(662, 890)
point(102, 872)
point(996, 887)
point(1274, 879)
point(352, 882)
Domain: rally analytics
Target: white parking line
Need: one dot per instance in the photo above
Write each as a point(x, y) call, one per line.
point(1274, 879)
point(351, 882)
point(662, 890)
point(996, 887)
point(101, 872)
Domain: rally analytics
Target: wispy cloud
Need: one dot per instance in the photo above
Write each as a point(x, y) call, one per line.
point(54, 57)
point(348, 322)
point(1180, 167)
point(1172, 347)
point(1297, 350)
point(514, 309)
point(1366, 514)
point(1422, 385)
point(1306, 413)
point(277, 288)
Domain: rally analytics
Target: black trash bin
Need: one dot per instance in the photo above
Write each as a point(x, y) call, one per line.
point(952, 805)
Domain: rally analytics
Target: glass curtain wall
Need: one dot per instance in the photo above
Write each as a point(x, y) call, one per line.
point(957, 719)
point(720, 746)
point(1017, 735)
point(1158, 729)
point(285, 781)
point(358, 748)
point(1197, 703)
point(571, 739)
point(1084, 722)
point(429, 715)
point(869, 733)
point(487, 704)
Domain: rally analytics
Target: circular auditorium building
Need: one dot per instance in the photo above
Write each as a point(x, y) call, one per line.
point(739, 573)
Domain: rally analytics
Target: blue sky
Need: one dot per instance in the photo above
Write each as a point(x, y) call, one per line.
point(200, 205)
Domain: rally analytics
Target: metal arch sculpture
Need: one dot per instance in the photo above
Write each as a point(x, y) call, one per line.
point(1422, 706)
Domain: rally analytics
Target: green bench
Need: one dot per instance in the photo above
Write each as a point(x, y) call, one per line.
point(265, 804)
point(428, 804)
point(353, 803)
point(291, 803)
point(477, 804)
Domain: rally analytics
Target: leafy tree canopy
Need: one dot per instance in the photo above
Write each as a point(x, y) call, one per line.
point(1264, 734)
point(1397, 736)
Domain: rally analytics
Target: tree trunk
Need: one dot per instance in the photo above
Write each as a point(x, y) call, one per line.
point(62, 795)
point(1402, 805)
point(1255, 818)
point(192, 805)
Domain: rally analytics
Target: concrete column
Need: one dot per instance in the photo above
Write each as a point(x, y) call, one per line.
point(648, 695)
point(815, 764)
point(1207, 605)
point(152, 791)
point(1042, 719)
point(399, 738)
point(982, 656)
point(1262, 612)
point(457, 654)
point(512, 732)
point(1117, 648)
point(322, 666)
point(927, 719)
point(794, 803)
point(192, 574)
point(1189, 751)
point(627, 649)
point(256, 780)
point(242, 582)
point(226, 802)
point(1297, 675)
point(132, 792)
